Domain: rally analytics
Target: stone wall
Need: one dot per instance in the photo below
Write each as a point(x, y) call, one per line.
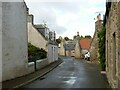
point(78, 53)
point(14, 40)
point(62, 49)
point(94, 45)
point(113, 45)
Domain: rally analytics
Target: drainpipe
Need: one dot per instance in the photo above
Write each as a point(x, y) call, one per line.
point(35, 65)
point(65, 50)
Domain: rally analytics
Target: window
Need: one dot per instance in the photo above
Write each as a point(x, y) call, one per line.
point(114, 55)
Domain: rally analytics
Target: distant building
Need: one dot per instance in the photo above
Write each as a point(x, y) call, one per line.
point(94, 55)
point(52, 47)
point(85, 44)
point(52, 36)
point(70, 47)
point(43, 29)
point(61, 50)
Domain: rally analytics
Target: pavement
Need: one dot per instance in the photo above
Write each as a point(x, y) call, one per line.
point(72, 73)
point(21, 81)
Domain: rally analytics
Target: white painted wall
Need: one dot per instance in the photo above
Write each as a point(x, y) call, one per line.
point(52, 53)
point(0, 44)
point(31, 67)
point(35, 38)
point(14, 40)
point(42, 63)
point(56, 53)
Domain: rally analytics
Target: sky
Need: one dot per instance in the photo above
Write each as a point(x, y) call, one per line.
point(67, 17)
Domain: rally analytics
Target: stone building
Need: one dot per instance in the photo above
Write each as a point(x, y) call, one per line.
point(14, 40)
point(35, 36)
point(78, 53)
point(112, 25)
point(94, 44)
point(71, 48)
point(61, 50)
point(52, 47)
point(40, 36)
point(43, 29)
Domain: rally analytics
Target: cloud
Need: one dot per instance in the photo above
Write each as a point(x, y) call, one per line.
point(66, 17)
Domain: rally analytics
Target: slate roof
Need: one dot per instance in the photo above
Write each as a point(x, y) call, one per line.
point(38, 27)
point(69, 45)
point(85, 43)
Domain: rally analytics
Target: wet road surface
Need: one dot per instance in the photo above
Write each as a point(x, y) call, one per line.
point(71, 73)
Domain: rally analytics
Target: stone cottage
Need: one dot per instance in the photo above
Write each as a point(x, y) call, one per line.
point(61, 49)
point(112, 25)
point(94, 44)
point(71, 48)
point(40, 36)
point(35, 36)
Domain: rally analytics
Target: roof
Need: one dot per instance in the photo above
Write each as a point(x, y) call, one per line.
point(85, 43)
point(69, 45)
point(39, 26)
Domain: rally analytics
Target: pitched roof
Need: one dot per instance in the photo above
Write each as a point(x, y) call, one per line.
point(38, 26)
point(85, 43)
point(69, 45)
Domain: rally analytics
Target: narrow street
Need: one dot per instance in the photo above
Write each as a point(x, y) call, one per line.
point(71, 74)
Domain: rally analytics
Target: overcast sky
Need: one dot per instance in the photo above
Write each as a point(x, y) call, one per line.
point(67, 17)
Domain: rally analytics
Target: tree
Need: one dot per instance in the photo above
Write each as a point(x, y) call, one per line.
point(81, 36)
point(58, 41)
point(66, 38)
point(101, 45)
point(87, 36)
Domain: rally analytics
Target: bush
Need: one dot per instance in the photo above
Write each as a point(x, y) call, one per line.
point(101, 45)
point(34, 53)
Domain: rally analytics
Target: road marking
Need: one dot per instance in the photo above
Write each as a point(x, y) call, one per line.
point(62, 64)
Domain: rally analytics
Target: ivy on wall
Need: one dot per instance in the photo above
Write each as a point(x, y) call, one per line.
point(101, 45)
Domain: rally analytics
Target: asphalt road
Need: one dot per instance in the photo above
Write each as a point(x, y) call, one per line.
point(71, 73)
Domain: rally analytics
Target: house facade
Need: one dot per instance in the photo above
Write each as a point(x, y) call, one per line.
point(14, 40)
point(61, 49)
point(52, 47)
point(71, 48)
point(112, 25)
point(43, 29)
point(35, 37)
